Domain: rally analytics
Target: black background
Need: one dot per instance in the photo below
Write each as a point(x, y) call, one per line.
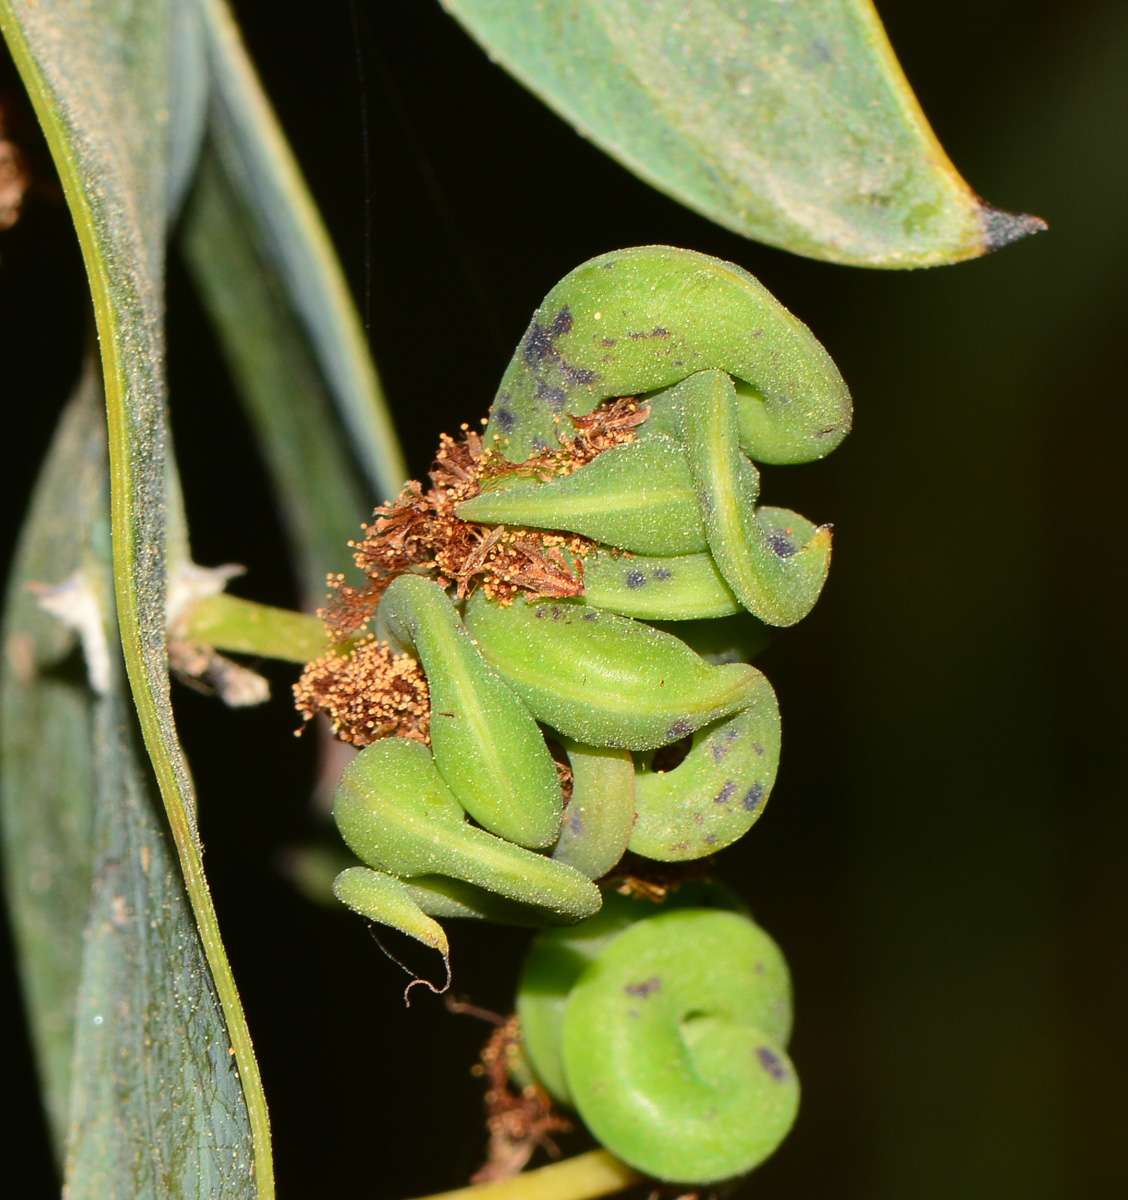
point(944, 857)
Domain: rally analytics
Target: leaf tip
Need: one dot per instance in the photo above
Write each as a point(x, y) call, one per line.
point(1001, 228)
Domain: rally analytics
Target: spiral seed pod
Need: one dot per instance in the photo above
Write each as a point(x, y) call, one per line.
point(396, 814)
point(715, 795)
point(600, 815)
point(603, 679)
point(637, 320)
point(486, 744)
point(667, 1035)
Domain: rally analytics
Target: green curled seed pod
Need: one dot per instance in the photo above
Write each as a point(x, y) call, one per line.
point(601, 813)
point(715, 795)
point(776, 580)
point(637, 320)
point(674, 1047)
point(397, 814)
point(486, 744)
point(638, 497)
point(678, 588)
point(388, 901)
point(557, 958)
point(441, 896)
point(603, 679)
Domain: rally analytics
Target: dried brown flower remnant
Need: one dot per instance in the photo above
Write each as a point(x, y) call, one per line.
point(519, 1119)
point(368, 693)
point(421, 531)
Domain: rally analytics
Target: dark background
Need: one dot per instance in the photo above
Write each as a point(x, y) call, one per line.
point(944, 857)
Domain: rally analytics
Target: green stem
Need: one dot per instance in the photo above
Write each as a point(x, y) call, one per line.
point(585, 1177)
point(244, 627)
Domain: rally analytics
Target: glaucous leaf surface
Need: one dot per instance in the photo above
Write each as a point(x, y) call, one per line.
point(100, 77)
point(788, 121)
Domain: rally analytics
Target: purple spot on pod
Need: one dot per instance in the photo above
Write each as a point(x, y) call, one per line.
point(754, 797)
point(635, 580)
point(590, 615)
point(538, 345)
point(755, 746)
point(726, 793)
point(772, 1063)
point(679, 729)
point(782, 545)
point(562, 323)
point(576, 825)
point(710, 839)
point(661, 574)
point(647, 988)
point(504, 419)
point(554, 397)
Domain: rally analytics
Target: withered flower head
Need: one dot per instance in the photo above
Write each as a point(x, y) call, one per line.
point(369, 693)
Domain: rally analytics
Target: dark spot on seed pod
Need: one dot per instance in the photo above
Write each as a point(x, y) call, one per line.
point(706, 502)
point(590, 615)
point(757, 333)
point(719, 749)
point(562, 323)
point(679, 729)
point(698, 819)
point(577, 376)
point(538, 345)
point(575, 824)
point(756, 746)
point(710, 839)
point(540, 612)
point(608, 265)
point(635, 580)
point(753, 797)
point(647, 988)
point(726, 793)
point(662, 574)
point(554, 397)
point(772, 1063)
point(539, 443)
point(504, 419)
point(609, 342)
point(783, 546)
point(679, 847)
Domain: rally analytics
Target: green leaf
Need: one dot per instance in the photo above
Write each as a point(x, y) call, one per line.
point(140, 1081)
point(262, 176)
point(47, 772)
point(789, 122)
point(98, 75)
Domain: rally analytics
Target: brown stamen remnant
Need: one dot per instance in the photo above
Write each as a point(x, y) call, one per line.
point(421, 532)
point(368, 693)
point(519, 1118)
point(649, 880)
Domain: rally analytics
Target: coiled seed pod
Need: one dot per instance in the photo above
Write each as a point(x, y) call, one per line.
point(668, 1036)
point(604, 679)
point(486, 744)
point(636, 320)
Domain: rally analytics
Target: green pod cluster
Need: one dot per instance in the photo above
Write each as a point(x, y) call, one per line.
point(399, 817)
point(683, 495)
point(487, 746)
point(604, 679)
point(667, 1034)
point(638, 320)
